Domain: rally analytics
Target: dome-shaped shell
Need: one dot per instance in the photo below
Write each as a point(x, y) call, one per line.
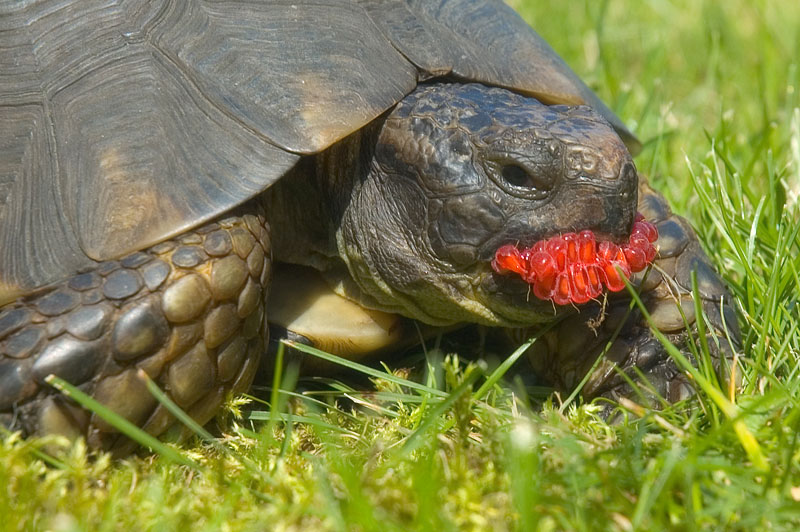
point(125, 122)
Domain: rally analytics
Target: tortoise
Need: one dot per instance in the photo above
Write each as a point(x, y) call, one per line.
point(164, 163)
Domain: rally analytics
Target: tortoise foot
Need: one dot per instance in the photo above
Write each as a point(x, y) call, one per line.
point(189, 312)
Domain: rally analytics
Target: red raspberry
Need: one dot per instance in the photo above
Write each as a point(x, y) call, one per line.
point(543, 265)
point(572, 242)
point(615, 279)
point(579, 283)
point(586, 247)
point(507, 259)
point(562, 294)
point(636, 258)
point(557, 248)
point(545, 288)
point(574, 268)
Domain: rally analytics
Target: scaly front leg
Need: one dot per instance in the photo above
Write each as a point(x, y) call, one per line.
point(189, 312)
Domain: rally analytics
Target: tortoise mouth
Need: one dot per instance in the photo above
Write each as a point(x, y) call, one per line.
point(578, 267)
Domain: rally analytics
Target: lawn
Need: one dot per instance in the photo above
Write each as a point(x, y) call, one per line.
point(711, 88)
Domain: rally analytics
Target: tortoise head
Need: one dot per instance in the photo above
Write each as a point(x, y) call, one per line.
point(460, 170)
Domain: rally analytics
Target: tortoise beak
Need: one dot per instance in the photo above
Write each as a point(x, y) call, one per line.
point(620, 208)
point(606, 208)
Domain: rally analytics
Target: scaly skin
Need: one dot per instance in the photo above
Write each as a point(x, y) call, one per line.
point(188, 312)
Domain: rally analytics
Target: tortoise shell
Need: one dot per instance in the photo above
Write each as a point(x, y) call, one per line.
point(123, 123)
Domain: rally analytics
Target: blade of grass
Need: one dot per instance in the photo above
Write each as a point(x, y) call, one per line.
point(276, 386)
point(503, 368)
point(177, 411)
point(364, 369)
point(308, 420)
point(38, 453)
point(731, 411)
point(120, 423)
point(652, 489)
point(193, 425)
point(414, 439)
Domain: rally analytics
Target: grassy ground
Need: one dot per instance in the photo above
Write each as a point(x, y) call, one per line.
point(711, 88)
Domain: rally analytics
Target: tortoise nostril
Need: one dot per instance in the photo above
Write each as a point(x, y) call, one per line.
point(628, 172)
point(628, 182)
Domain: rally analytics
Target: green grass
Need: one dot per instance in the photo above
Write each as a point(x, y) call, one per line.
point(711, 87)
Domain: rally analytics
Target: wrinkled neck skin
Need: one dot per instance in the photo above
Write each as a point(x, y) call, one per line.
point(383, 239)
point(405, 215)
point(364, 229)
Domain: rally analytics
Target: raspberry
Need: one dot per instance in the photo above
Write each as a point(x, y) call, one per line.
point(575, 268)
point(542, 265)
point(507, 259)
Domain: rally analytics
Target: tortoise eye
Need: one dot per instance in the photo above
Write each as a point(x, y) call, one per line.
point(516, 175)
point(520, 177)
